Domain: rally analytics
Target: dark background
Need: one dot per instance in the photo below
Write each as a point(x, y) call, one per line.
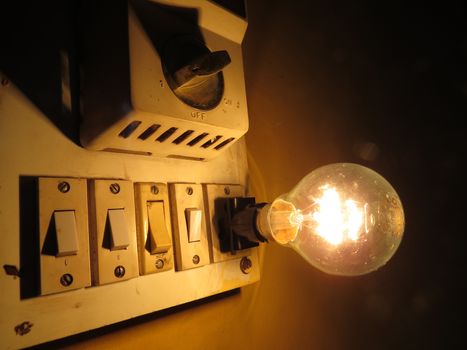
point(382, 84)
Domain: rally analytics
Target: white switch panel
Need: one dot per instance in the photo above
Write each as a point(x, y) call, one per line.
point(189, 226)
point(63, 235)
point(113, 231)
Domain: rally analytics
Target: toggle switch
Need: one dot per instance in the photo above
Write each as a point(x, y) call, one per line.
point(189, 226)
point(63, 235)
point(158, 236)
point(193, 220)
point(112, 229)
point(119, 235)
point(153, 227)
point(66, 232)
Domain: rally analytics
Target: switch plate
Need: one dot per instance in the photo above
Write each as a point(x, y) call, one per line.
point(188, 254)
point(153, 227)
point(112, 222)
point(211, 193)
point(63, 235)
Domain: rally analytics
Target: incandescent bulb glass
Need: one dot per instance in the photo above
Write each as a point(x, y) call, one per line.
point(344, 219)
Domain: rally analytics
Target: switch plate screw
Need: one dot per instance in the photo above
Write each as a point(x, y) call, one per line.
point(66, 280)
point(227, 190)
point(196, 259)
point(114, 188)
point(119, 271)
point(159, 264)
point(189, 191)
point(246, 265)
point(154, 189)
point(63, 186)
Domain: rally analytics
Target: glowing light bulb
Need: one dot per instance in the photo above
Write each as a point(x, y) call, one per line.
point(344, 219)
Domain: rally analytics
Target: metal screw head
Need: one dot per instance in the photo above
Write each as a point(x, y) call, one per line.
point(66, 280)
point(63, 186)
point(119, 271)
point(189, 191)
point(114, 188)
point(227, 190)
point(246, 265)
point(196, 259)
point(159, 264)
point(154, 189)
point(5, 82)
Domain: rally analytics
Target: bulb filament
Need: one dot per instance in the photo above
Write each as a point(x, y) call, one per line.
point(332, 218)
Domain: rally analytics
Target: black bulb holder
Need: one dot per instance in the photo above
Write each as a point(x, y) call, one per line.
point(237, 223)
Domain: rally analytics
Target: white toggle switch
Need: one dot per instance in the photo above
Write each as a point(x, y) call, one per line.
point(193, 220)
point(191, 245)
point(119, 235)
point(67, 234)
point(114, 251)
point(63, 234)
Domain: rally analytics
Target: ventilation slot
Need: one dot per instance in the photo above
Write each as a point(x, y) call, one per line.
point(211, 141)
point(166, 134)
point(224, 143)
point(117, 150)
point(183, 137)
point(197, 139)
point(149, 131)
point(184, 157)
point(129, 129)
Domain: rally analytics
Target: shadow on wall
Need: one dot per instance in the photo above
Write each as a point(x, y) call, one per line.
point(38, 56)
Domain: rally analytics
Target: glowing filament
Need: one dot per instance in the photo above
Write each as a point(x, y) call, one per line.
point(337, 220)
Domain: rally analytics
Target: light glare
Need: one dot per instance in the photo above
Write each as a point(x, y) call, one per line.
point(337, 220)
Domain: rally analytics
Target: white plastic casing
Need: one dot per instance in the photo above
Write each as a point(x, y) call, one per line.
point(151, 106)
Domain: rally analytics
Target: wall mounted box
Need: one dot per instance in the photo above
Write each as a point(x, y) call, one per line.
point(128, 105)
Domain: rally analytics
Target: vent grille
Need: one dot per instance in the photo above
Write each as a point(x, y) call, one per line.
point(129, 129)
point(183, 137)
point(186, 138)
point(224, 143)
point(212, 141)
point(197, 139)
point(166, 134)
point(149, 131)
